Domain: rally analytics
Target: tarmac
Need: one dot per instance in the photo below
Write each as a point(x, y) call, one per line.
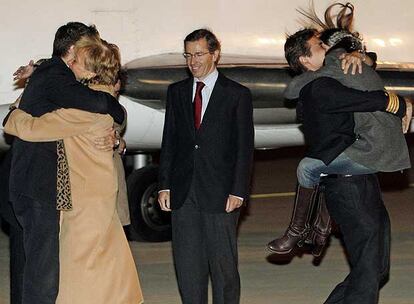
point(268, 278)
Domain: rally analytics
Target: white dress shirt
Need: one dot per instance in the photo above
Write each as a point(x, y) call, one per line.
point(209, 82)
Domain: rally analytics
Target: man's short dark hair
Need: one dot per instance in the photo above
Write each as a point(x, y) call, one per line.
point(296, 45)
point(68, 34)
point(212, 41)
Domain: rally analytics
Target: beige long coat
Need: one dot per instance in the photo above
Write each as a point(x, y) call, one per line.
point(96, 264)
point(122, 206)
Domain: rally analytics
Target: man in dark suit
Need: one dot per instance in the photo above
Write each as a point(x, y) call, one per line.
point(354, 202)
point(33, 174)
point(205, 166)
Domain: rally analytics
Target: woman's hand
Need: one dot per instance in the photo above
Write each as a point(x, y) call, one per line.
point(24, 71)
point(107, 141)
point(354, 59)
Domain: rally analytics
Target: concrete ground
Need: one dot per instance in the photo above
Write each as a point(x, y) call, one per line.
point(267, 278)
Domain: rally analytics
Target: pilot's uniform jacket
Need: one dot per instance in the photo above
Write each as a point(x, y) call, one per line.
point(380, 143)
point(328, 120)
point(354, 202)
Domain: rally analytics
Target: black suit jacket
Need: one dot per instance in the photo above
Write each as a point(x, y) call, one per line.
point(52, 86)
point(218, 156)
point(6, 211)
point(327, 109)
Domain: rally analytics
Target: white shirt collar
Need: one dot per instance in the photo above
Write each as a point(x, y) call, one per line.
point(210, 79)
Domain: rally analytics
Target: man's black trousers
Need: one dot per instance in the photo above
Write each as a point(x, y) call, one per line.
point(40, 225)
point(356, 205)
point(205, 244)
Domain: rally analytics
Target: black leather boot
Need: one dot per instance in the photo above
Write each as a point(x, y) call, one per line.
point(299, 226)
point(321, 227)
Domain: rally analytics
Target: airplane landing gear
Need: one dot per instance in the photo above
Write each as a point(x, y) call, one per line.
point(148, 221)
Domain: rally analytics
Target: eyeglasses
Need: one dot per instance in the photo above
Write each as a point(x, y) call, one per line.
point(198, 55)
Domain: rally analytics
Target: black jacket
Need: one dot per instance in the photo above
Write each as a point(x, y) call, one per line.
point(6, 211)
point(52, 86)
point(326, 107)
point(218, 156)
point(381, 144)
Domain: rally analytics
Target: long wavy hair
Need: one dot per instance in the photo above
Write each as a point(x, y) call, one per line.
point(343, 19)
point(336, 30)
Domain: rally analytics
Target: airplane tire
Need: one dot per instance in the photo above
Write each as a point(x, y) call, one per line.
point(148, 221)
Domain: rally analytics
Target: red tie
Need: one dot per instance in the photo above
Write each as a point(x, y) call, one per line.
point(198, 102)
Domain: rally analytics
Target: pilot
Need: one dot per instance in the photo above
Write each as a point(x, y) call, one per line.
point(354, 201)
point(380, 144)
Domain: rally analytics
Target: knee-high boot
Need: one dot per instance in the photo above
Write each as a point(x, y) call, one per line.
point(299, 226)
point(321, 227)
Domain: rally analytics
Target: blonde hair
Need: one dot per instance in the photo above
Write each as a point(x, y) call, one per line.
point(102, 58)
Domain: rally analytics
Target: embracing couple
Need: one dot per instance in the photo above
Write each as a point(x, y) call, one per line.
point(69, 244)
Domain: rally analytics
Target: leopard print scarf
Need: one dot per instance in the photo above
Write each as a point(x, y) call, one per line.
point(63, 191)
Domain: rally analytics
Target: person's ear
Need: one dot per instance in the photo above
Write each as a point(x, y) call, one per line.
point(304, 60)
point(216, 55)
point(71, 52)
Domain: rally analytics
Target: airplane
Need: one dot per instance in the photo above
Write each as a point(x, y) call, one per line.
point(266, 76)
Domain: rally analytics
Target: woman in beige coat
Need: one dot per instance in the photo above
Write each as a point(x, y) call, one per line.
point(96, 264)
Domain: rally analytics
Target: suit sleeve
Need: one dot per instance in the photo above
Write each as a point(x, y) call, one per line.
point(52, 126)
point(245, 145)
point(337, 98)
point(168, 146)
point(299, 110)
point(66, 92)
